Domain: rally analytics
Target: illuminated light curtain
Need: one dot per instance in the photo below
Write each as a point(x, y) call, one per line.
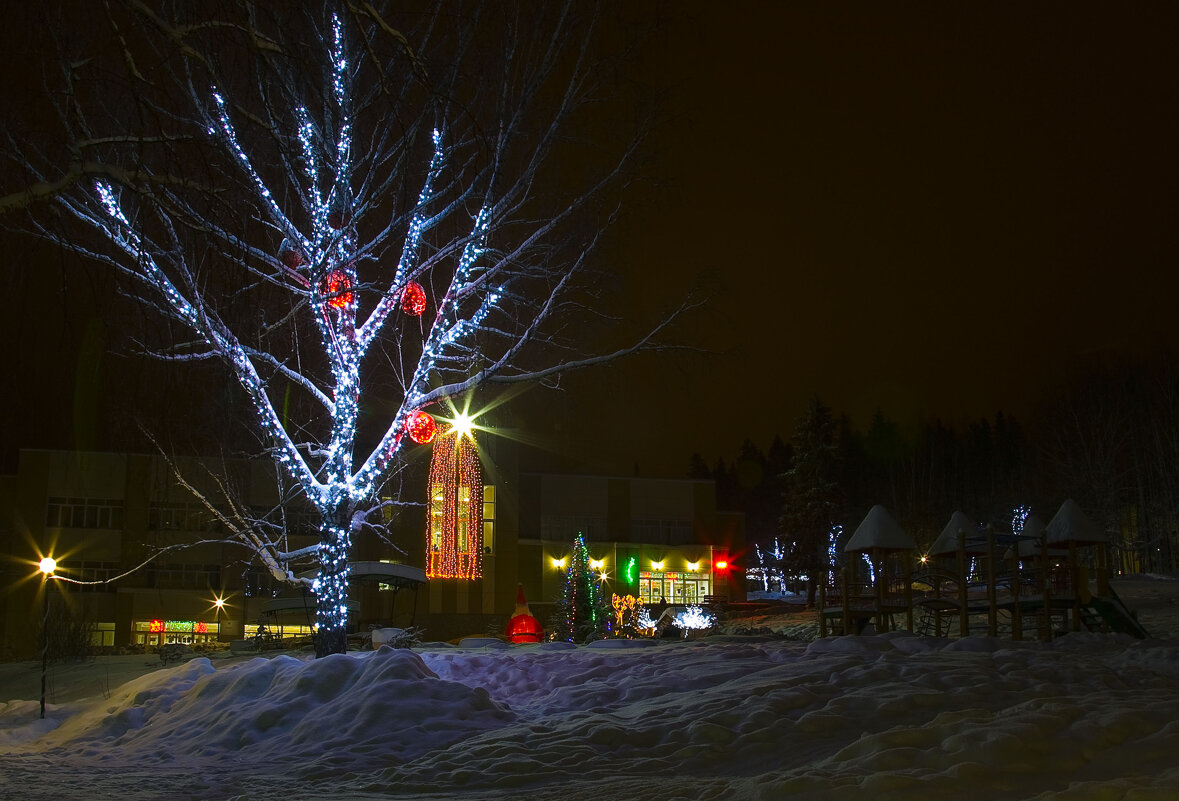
point(454, 536)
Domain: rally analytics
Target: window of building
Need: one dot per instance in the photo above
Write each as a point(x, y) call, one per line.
point(257, 582)
point(103, 634)
point(672, 587)
point(661, 531)
point(96, 575)
point(489, 519)
point(84, 513)
point(564, 528)
point(187, 577)
point(165, 632)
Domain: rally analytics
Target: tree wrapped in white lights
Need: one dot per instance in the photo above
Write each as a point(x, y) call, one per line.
point(339, 205)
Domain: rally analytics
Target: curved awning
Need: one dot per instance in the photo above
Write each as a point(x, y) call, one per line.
point(391, 573)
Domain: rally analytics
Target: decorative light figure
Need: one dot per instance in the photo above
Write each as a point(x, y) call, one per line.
point(695, 618)
point(454, 536)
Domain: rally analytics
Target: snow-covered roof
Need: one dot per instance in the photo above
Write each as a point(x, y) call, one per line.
point(947, 541)
point(879, 531)
point(1071, 525)
point(1029, 544)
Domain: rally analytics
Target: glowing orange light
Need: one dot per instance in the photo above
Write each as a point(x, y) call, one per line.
point(721, 565)
point(454, 535)
point(155, 626)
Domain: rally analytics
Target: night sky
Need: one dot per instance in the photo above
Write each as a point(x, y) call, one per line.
point(937, 210)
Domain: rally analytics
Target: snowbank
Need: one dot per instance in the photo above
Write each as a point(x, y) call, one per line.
point(1087, 717)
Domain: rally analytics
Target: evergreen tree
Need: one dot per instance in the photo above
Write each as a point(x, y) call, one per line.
point(581, 613)
point(697, 467)
point(813, 494)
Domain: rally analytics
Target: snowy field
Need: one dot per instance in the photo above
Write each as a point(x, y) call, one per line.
point(1087, 716)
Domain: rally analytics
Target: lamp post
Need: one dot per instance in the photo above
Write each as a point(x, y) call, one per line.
point(46, 566)
point(220, 604)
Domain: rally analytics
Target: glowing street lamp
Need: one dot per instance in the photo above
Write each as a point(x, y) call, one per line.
point(47, 565)
point(220, 604)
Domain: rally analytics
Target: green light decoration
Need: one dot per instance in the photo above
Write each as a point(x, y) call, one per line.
point(631, 564)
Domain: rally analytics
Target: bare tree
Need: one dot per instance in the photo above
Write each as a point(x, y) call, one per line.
point(340, 204)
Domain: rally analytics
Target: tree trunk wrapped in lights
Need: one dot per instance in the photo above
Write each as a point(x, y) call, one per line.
point(454, 547)
point(321, 198)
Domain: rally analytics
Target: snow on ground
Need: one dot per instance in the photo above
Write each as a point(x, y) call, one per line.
point(1087, 717)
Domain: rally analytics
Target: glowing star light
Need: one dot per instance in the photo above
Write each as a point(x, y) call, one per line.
point(463, 425)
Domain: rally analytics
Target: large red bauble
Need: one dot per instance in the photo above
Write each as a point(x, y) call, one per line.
point(290, 255)
point(413, 299)
point(421, 427)
point(338, 285)
point(524, 628)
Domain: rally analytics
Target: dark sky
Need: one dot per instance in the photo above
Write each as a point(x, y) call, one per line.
point(933, 209)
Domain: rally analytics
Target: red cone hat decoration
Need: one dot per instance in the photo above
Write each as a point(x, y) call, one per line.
point(523, 627)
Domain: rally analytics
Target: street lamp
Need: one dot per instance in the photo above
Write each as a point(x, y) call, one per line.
point(220, 604)
point(46, 566)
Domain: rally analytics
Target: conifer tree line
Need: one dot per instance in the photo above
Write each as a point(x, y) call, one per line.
point(1108, 438)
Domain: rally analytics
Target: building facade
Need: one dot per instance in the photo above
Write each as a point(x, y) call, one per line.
point(147, 563)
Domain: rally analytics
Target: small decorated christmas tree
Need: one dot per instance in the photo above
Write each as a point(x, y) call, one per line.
point(581, 613)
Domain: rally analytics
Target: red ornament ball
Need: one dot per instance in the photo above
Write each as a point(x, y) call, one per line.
point(338, 286)
point(290, 255)
point(421, 427)
point(413, 299)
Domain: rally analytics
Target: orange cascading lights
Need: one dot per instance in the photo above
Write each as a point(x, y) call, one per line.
point(454, 536)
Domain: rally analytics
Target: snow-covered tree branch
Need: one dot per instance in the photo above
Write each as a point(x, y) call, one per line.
point(336, 200)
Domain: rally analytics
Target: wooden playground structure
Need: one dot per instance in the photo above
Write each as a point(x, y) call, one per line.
point(1046, 581)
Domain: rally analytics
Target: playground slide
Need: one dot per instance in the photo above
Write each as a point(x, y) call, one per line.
point(1117, 616)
